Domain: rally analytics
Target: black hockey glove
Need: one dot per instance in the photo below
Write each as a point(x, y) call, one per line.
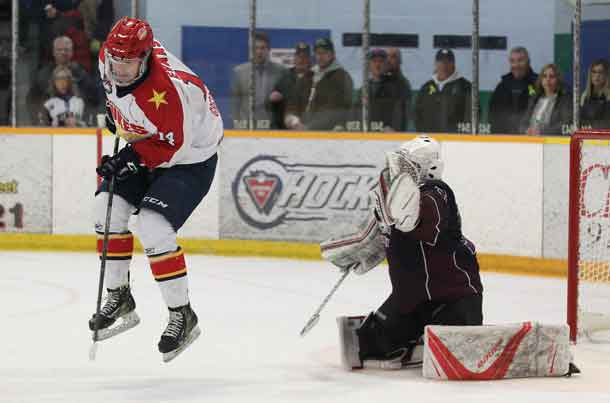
point(121, 166)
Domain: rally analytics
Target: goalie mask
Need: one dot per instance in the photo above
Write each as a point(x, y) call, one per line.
point(420, 157)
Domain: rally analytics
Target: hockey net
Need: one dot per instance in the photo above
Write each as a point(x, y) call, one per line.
point(589, 237)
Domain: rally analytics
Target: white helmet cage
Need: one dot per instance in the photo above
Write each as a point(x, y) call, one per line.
point(426, 152)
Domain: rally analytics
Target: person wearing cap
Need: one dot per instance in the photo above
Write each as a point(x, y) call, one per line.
point(65, 107)
point(267, 74)
point(330, 99)
point(443, 103)
point(289, 96)
point(509, 101)
point(388, 99)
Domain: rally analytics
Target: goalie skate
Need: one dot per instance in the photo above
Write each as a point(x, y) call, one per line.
point(181, 332)
point(116, 316)
point(407, 357)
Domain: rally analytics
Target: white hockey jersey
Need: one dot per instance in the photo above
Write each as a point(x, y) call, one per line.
point(170, 118)
point(60, 109)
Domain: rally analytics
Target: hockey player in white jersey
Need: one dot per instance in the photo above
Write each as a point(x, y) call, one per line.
point(173, 128)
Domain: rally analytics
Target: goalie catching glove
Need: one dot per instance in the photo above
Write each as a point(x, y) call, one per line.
point(360, 251)
point(365, 249)
point(395, 203)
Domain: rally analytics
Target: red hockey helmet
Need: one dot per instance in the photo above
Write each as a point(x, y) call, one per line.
point(129, 40)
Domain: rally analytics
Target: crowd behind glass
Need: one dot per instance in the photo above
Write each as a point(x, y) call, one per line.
point(317, 92)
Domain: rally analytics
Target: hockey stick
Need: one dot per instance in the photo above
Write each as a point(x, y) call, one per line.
point(100, 288)
point(316, 316)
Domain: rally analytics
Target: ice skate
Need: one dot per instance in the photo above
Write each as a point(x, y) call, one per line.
point(117, 315)
point(180, 332)
point(404, 357)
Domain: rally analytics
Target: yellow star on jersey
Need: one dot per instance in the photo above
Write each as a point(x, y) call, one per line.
point(158, 98)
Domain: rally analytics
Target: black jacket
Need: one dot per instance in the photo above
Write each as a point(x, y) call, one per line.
point(595, 113)
point(296, 92)
point(443, 111)
point(388, 105)
point(330, 101)
point(561, 116)
point(509, 102)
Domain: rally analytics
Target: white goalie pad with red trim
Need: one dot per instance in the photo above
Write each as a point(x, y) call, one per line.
point(496, 352)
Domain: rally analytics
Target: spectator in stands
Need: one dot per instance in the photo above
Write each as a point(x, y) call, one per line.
point(63, 18)
point(70, 23)
point(550, 111)
point(64, 108)
point(46, 12)
point(62, 55)
point(509, 100)
point(98, 18)
point(267, 74)
point(443, 103)
point(289, 96)
point(394, 65)
point(330, 100)
point(595, 101)
point(387, 96)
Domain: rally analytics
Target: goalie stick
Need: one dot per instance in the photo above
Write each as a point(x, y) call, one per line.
point(316, 316)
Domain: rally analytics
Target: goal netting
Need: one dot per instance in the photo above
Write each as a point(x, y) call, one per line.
point(589, 236)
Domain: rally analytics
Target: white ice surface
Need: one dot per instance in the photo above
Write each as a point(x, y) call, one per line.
point(251, 311)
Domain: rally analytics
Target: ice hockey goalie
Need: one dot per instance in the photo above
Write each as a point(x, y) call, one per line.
point(415, 223)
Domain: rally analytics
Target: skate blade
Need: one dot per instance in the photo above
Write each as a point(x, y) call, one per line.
point(167, 357)
point(389, 365)
point(416, 361)
point(381, 364)
point(126, 322)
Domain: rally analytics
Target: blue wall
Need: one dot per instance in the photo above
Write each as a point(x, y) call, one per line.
point(524, 22)
point(212, 52)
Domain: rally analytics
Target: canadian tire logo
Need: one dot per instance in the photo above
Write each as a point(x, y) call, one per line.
point(263, 188)
point(271, 190)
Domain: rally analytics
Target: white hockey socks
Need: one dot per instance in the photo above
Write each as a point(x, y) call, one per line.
point(118, 258)
point(120, 240)
point(165, 256)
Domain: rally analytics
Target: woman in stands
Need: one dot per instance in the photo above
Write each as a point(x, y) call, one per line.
point(64, 107)
point(550, 111)
point(595, 101)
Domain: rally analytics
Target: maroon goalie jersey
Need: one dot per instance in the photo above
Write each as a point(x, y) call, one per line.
point(434, 262)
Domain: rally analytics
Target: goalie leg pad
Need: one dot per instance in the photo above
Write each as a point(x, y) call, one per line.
point(496, 352)
point(348, 341)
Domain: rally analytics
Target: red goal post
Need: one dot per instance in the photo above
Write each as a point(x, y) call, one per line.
point(588, 301)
